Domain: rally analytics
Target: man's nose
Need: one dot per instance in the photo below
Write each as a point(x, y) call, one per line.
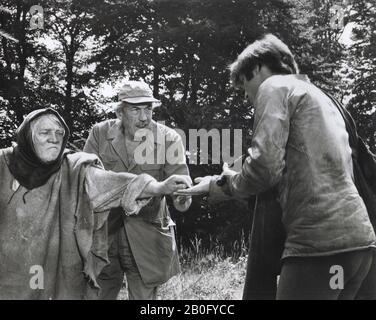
point(246, 95)
point(143, 116)
point(53, 138)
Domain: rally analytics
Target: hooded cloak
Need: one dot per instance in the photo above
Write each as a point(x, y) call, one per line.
point(53, 237)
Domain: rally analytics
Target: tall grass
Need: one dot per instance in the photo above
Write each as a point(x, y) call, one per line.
point(208, 273)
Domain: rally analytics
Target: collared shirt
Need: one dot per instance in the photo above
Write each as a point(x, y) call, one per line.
point(300, 144)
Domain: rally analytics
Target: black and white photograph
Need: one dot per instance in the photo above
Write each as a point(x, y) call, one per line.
point(187, 150)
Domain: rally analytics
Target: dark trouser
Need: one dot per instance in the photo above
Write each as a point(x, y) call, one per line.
point(320, 278)
point(122, 261)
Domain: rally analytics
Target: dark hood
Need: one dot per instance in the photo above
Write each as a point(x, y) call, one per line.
point(25, 165)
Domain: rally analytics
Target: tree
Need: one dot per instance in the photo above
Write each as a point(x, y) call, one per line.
point(318, 50)
point(362, 73)
point(18, 46)
point(70, 27)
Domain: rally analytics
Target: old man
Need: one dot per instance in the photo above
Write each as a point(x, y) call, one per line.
point(53, 210)
point(143, 246)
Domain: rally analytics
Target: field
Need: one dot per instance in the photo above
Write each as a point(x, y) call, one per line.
point(206, 275)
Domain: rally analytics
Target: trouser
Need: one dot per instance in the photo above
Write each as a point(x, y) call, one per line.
point(122, 261)
point(344, 276)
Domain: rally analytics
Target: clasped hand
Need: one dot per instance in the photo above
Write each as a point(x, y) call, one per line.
point(203, 183)
point(173, 184)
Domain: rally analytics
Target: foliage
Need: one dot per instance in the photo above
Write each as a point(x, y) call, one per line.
point(362, 61)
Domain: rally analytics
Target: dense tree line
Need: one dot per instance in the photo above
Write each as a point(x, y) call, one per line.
point(182, 48)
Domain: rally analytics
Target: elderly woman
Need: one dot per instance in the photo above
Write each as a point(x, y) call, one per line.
point(53, 210)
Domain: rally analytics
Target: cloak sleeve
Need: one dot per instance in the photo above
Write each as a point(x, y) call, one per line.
point(107, 189)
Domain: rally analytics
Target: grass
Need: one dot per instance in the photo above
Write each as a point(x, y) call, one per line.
point(217, 280)
point(207, 274)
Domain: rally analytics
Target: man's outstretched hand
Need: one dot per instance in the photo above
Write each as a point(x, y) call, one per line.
point(170, 185)
point(203, 183)
point(202, 187)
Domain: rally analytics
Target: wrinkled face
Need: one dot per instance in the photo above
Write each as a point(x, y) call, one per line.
point(135, 117)
point(47, 136)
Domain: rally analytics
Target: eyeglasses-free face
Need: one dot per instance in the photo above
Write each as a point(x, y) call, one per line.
point(47, 135)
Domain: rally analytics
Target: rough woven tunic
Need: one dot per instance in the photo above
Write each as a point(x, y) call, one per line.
point(52, 228)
